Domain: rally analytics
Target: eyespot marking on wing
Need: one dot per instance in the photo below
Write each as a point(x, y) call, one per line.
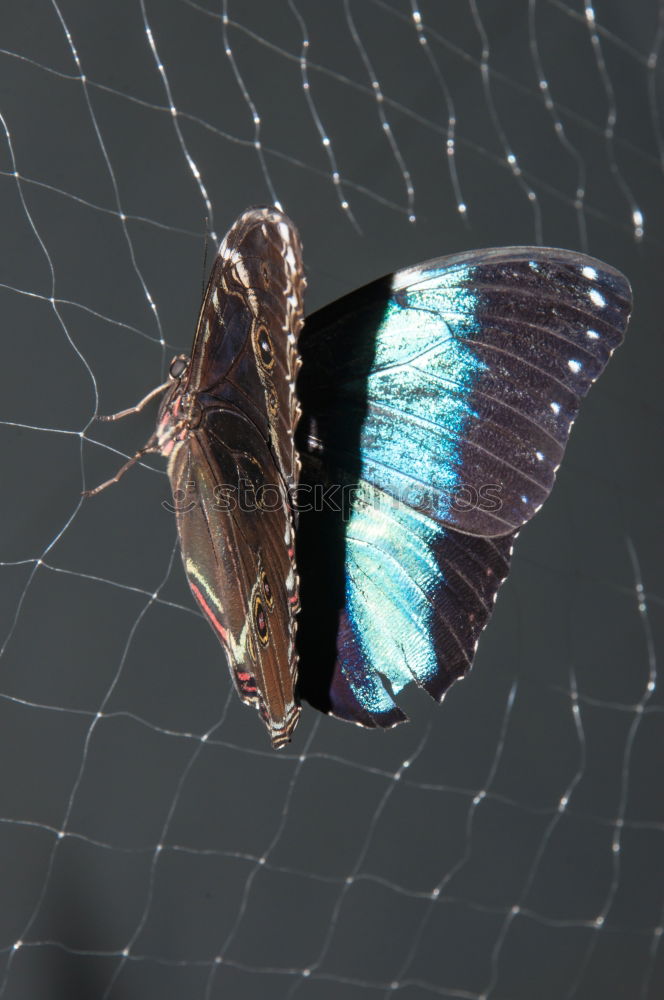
point(260, 621)
point(263, 346)
point(267, 591)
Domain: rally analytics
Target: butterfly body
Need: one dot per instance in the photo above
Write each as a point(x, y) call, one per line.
point(226, 426)
point(435, 407)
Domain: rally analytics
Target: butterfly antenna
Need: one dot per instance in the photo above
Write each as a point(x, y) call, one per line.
point(205, 253)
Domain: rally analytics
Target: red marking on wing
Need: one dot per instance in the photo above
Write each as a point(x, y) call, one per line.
point(216, 624)
point(246, 681)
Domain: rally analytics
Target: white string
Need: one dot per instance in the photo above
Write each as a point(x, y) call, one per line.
point(178, 131)
point(510, 156)
point(611, 121)
point(255, 117)
point(326, 142)
point(380, 109)
point(450, 144)
point(561, 135)
point(47, 564)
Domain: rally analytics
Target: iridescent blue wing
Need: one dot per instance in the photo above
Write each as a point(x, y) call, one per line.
point(470, 376)
point(413, 599)
point(445, 394)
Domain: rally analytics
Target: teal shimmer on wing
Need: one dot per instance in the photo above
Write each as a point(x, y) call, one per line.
point(392, 577)
point(457, 375)
point(425, 373)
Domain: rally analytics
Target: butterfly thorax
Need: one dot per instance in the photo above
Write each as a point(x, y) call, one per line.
point(180, 411)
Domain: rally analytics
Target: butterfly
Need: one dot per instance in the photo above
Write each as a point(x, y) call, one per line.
point(384, 483)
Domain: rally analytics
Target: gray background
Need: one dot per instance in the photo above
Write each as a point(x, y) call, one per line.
point(520, 854)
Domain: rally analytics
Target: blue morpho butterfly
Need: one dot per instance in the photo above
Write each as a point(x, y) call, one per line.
point(431, 413)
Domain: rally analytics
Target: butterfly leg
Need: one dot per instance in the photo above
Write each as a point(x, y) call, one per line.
point(150, 447)
point(139, 406)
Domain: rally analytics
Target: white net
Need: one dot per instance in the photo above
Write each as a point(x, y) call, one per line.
point(509, 844)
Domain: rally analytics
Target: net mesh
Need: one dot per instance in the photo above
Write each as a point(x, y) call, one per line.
point(507, 844)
